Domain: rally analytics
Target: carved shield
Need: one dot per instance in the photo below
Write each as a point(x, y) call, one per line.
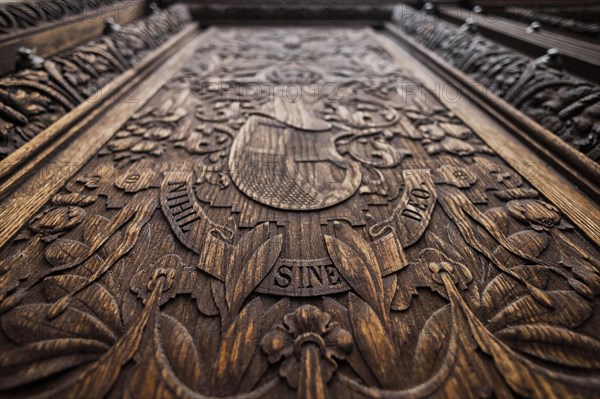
point(282, 166)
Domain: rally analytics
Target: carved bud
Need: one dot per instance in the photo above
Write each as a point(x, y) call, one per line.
point(308, 329)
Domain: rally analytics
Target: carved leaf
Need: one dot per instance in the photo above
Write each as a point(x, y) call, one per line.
point(253, 258)
point(93, 299)
point(464, 213)
point(29, 323)
point(373, 341)
point(569, 310)
point(179, 348)
point(203, 295)
point(64, 252)
point(431, 341)
point(99, 378)
point(504, 289)
point(255, 271)
point(354, 358)
point(260, 364)
point(527, 378)
point(238, 346)
point(72, 199)
point(358, 265)
point(529, 242)
point(555, 344)
point(42, 359)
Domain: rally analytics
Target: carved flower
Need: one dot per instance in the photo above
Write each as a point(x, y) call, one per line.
point(146, 134)
point(455, 176)
point(540, 215)
point(168, 268)
point(308, 329)
point(427, 271)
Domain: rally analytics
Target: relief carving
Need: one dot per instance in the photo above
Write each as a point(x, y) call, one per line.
point(578, 19)
point(23, 15)
point(33, 99)
point(559, 102)
point(365, 244)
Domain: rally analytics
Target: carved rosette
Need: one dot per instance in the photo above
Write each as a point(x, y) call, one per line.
point(309, 344)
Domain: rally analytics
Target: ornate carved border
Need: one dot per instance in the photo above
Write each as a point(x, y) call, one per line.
point(559, 102)
point(548, 16)
point(16, 17)
point(35, 98)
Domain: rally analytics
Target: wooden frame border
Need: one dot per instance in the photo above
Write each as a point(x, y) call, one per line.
point(82, 124)
point(55, 37)
point(573, 191)
point(579, 57)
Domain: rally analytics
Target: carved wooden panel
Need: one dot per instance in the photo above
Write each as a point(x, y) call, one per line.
point(287, 217)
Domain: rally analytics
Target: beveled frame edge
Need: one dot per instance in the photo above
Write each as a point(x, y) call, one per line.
point(24, 194)
point(570, 178)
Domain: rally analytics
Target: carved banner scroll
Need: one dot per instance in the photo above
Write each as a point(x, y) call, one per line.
point(283, 219)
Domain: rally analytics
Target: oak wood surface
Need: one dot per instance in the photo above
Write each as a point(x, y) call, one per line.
point(50, 38)
point(579, 57)
point(297, 212)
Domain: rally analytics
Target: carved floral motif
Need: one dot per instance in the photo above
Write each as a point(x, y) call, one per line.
point(309, 344)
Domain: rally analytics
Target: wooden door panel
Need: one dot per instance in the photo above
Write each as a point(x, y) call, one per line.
point(298, 212)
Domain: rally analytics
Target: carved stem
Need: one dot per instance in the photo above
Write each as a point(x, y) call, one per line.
point(311, 383)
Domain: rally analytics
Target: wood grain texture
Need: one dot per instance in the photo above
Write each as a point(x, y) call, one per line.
point(52, 27)
point(563, 104)
point(33, 99)
point(283, 215)
point(21, 16)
